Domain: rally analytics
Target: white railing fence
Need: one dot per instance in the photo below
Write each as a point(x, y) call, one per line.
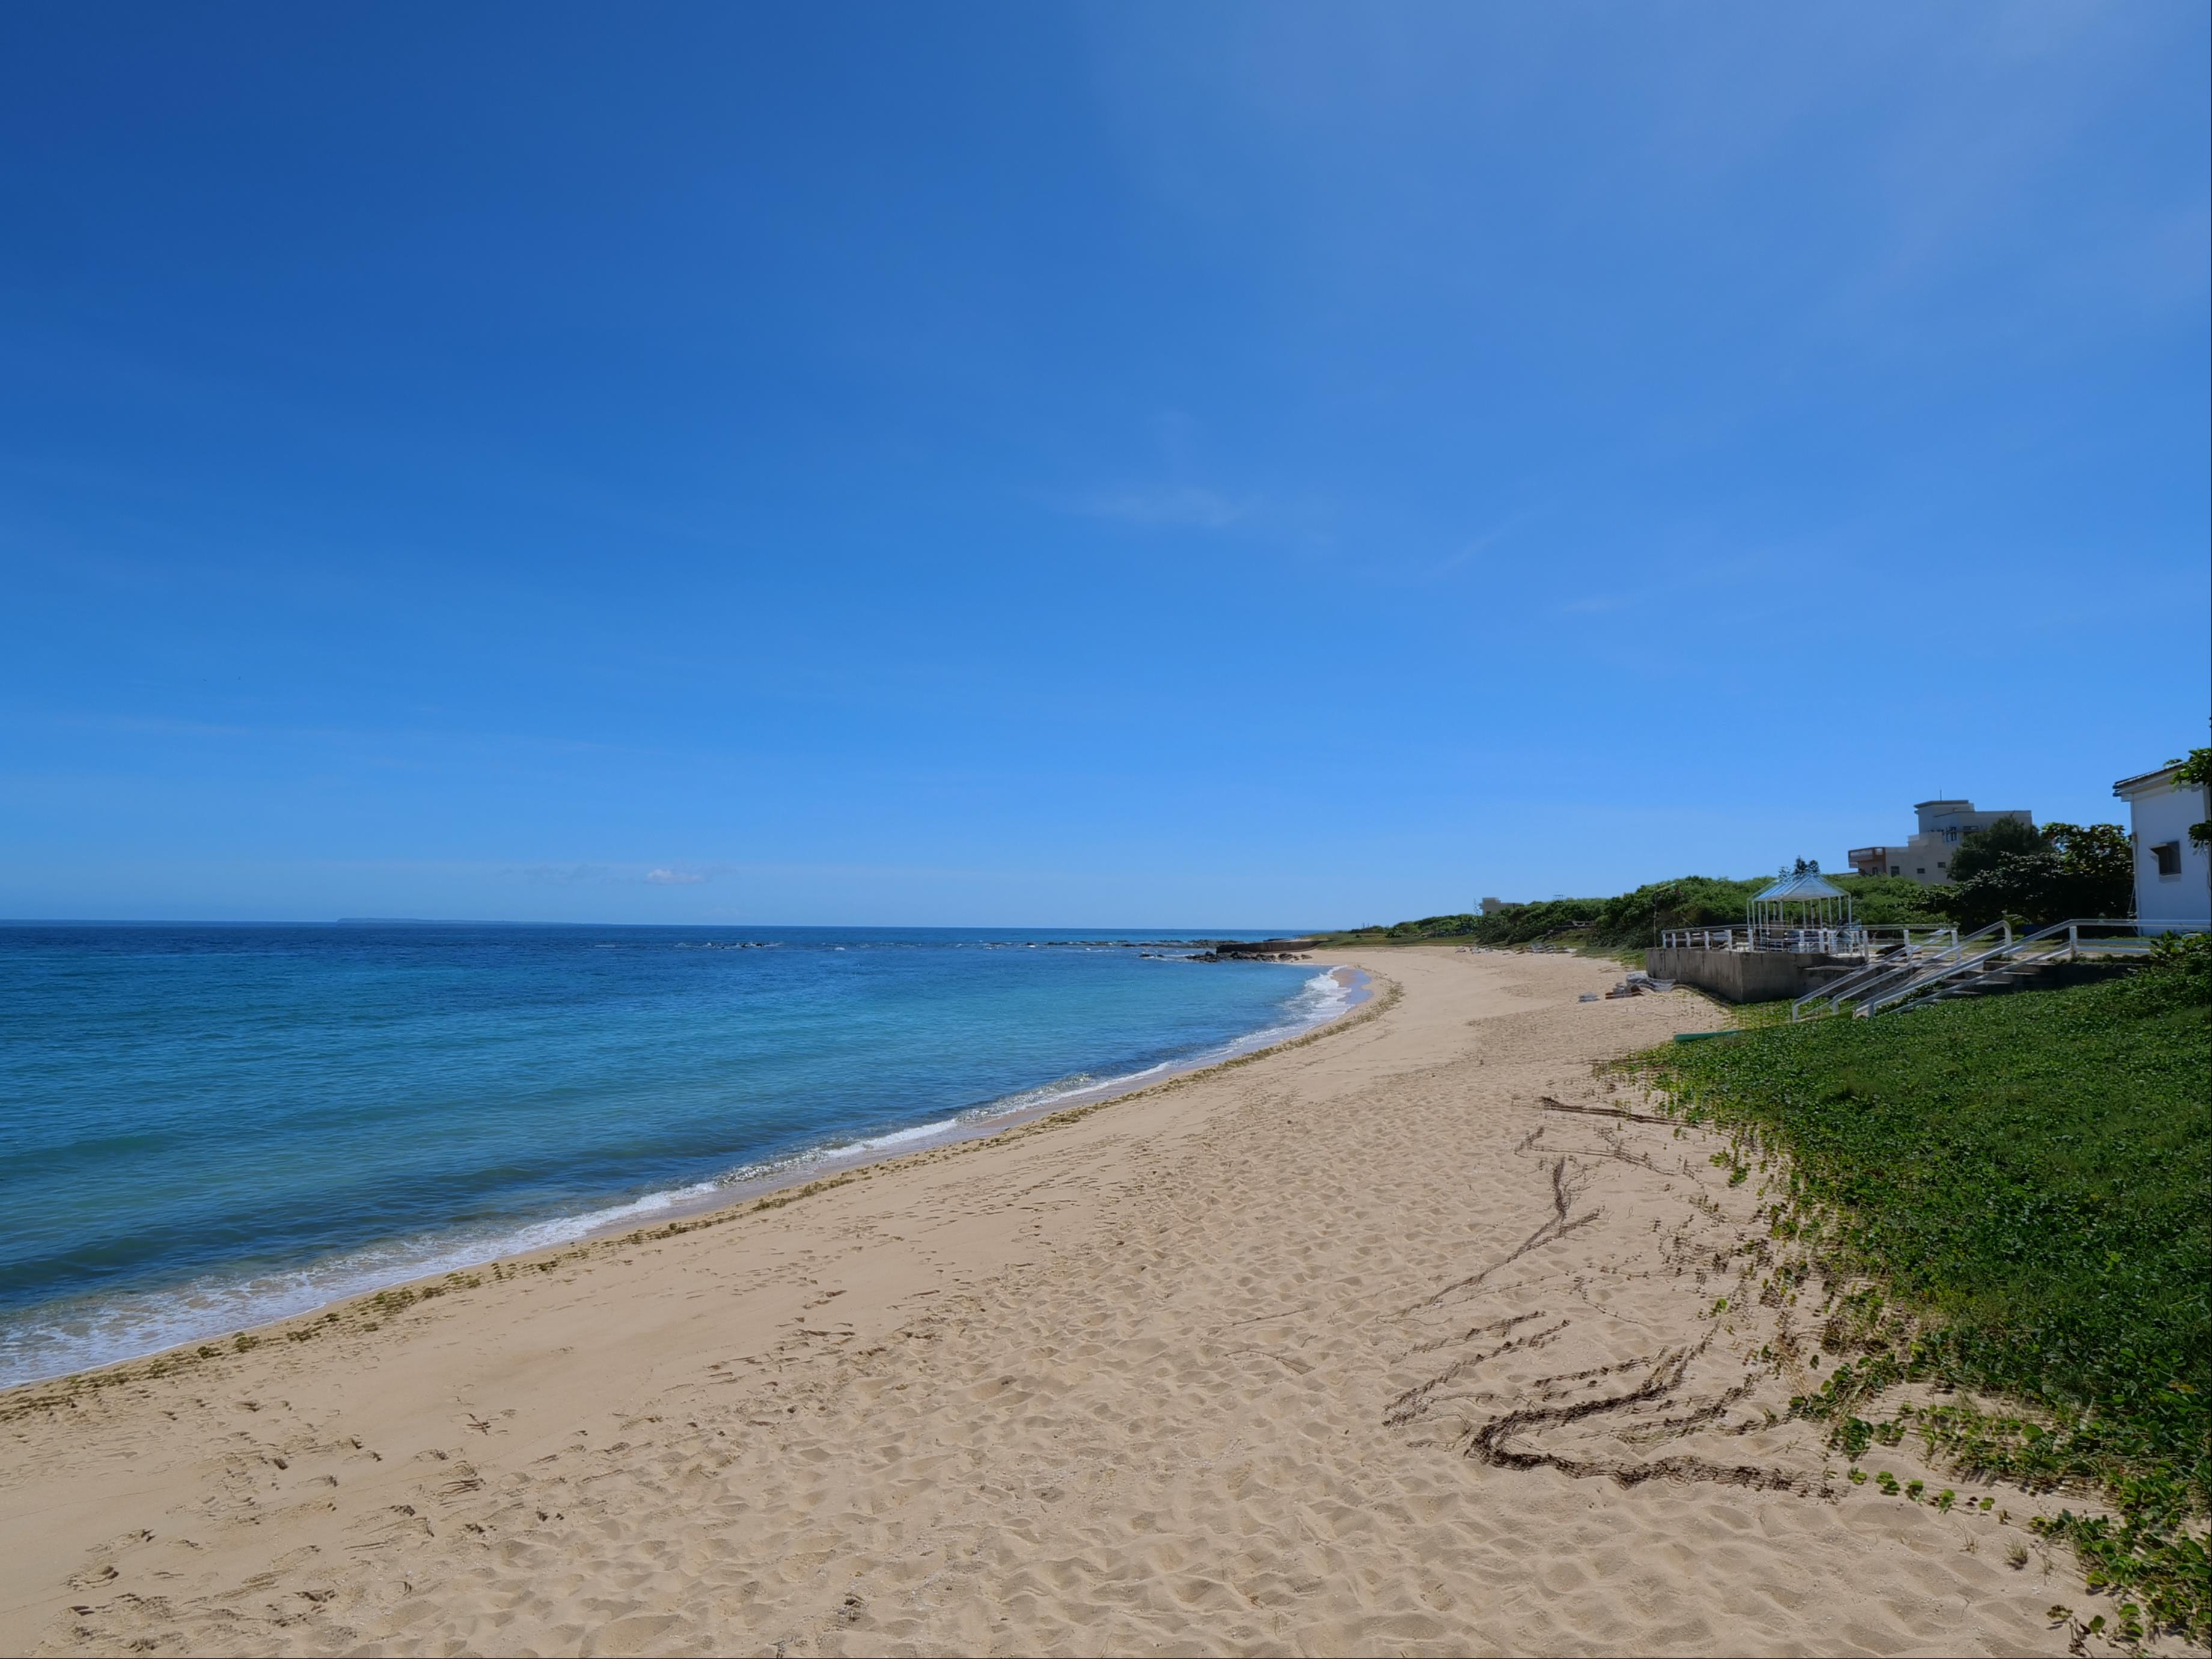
point(2062, 941)
point(1896, 965)
point(1853, 939)
point(1903, 979)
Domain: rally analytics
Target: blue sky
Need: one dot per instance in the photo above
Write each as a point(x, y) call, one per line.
point(1237, 465)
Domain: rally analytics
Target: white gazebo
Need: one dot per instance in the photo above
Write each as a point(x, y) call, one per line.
point(1802, 912)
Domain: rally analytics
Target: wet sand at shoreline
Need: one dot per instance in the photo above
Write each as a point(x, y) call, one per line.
point(1355, 1346)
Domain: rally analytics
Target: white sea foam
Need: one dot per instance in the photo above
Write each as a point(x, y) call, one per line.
point(88, 1332)
point(85, 1332)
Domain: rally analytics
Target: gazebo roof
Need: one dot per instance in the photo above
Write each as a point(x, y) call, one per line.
point(1807, 887)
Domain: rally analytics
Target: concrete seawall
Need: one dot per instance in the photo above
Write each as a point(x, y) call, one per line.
point(1742, 975)
point(1770, 976)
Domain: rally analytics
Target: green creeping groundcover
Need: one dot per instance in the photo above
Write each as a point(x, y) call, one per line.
point(2021, 1181)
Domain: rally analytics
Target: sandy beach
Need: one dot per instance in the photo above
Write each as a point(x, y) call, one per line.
point(1390, 1341)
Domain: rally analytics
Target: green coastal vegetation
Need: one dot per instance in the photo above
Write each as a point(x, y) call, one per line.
point(1634, 922)
point(2008, 1195)
point(2041, 875)
point(2030, 876)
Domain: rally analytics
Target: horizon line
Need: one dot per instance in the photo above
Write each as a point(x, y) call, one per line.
point(481, 922)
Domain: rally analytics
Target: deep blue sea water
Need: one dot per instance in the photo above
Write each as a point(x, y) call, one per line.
point(205, 1126)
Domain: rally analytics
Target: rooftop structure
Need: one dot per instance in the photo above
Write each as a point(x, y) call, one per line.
point(1925, 856)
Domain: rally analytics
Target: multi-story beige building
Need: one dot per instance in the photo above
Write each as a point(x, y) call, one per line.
point(1925, 857)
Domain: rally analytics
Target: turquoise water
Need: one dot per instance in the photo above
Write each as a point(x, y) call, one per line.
point(202, 1127)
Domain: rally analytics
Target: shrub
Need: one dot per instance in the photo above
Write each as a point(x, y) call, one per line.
point(1635, 920)
point(2062, 870)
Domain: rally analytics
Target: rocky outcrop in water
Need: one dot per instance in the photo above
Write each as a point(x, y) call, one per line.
point(1256, 949)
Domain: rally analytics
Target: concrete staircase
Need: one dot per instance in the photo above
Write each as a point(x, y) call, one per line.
point(2033, 976)
point(1991, 962)
point(2065, 952)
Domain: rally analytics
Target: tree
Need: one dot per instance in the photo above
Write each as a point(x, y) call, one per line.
point(2097, 865)
point(1984, 849)
point(2037, 876)
point(2196, 770)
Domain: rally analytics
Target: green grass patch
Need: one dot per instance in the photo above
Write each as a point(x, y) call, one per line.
point(2018, 1187)
point(1758, 1016)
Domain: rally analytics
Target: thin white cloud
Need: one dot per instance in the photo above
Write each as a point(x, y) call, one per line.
point(1178, 507)
point(1593, 604)
point(603, 874)
point(1483, 542)
point(565, 874)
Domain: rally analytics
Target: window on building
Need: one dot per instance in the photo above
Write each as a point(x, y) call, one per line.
point(2168, 854)
point(1894, 870)
point(1922, 870)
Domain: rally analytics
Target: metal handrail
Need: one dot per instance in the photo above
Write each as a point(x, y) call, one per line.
point(2017, 953)
point(1767, 936)
point(1908, 975)
point(1836, 989)
point(1904, 959)
point(1696, 939)
point(1925, 987)
point(1853, 937)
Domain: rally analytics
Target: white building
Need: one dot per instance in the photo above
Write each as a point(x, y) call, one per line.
point(2173, 875)
point(1926, 855)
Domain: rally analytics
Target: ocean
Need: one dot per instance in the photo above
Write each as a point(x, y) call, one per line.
point(204, 1127)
